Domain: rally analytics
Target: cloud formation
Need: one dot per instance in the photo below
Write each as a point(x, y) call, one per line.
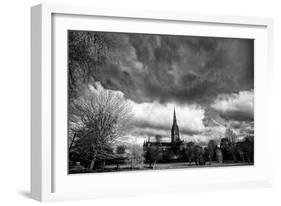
point(180, 69)
point(196, 123)
point(154, 118)
point(238, 106)
point(209, 80)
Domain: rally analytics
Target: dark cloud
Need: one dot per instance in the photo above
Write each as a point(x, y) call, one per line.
point(212, 79)
point(179, 68)
point(237, 115)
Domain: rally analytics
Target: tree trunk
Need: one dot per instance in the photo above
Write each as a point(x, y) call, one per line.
point(233, 154)
point(92, 163)
point(210, 159)
point(248, 158)
point(72, 141)
point(154, 164)
point(189, 161)
point(219, 155)
point(103, 165)
point(234, 157)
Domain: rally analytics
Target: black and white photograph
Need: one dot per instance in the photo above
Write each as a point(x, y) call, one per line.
point(141, 102)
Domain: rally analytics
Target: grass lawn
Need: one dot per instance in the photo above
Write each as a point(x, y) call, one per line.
point(176, 165)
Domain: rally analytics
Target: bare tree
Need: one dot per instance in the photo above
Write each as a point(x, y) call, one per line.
point(120, 151)
point(232, 137)
point(99, 119)
point(136, 155)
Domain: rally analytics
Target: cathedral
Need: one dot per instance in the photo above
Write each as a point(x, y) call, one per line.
point(165, 151)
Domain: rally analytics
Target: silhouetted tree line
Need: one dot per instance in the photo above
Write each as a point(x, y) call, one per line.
point(225, 151)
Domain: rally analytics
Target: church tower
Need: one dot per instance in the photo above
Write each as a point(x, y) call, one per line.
point(175, 134)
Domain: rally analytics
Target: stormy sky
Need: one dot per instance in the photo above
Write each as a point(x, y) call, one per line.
point(210, 82)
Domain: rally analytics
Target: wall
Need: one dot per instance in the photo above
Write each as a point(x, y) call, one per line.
point(15, 109)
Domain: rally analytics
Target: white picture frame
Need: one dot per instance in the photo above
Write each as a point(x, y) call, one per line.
point(49, 179)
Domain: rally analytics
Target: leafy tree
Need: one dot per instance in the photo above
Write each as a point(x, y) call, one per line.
point(189, 151)
point(246, 149)
point(228, 149)
point(211, 149)
point(198, 155)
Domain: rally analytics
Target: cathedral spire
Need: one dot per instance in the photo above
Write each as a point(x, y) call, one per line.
point(175, 136)
point(175, 118)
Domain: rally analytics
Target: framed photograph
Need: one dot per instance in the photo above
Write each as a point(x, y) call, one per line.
point(137, 102)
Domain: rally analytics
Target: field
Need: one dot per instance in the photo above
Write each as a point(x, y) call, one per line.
point(159, 166)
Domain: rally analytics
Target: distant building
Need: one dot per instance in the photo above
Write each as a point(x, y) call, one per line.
point(175, 133)
point(165, 151)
